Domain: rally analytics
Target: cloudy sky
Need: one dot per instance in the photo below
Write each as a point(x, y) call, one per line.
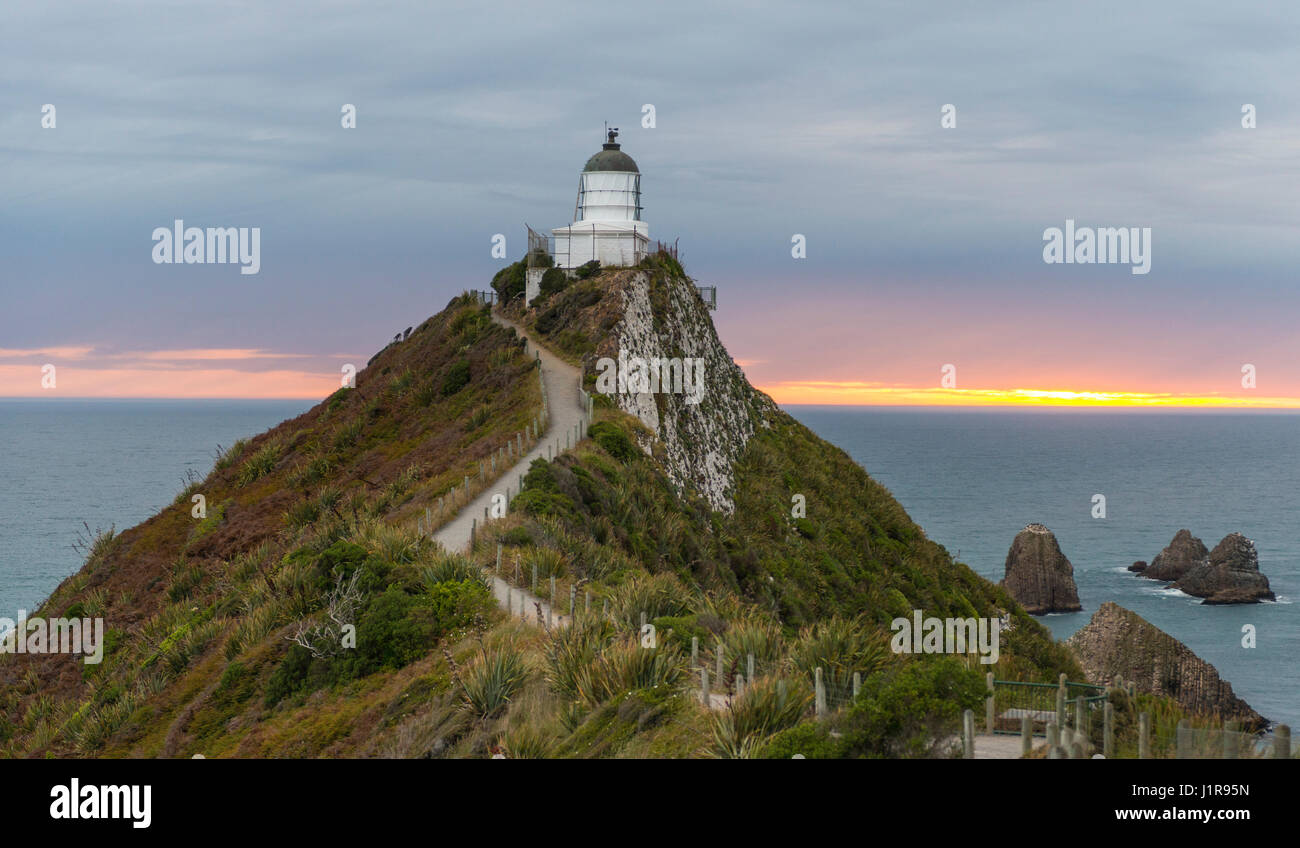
point(924, 243)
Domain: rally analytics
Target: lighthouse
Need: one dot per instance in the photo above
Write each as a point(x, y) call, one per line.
point(607, 224)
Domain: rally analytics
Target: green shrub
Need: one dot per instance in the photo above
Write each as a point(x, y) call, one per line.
point(768, 706)
point(753, 634)
point(509, 281)
point(260, 463)
point(490, 683)
point(912, 709)
point(516, 537)
point(587, 269)
point(626, 667)
point(395, 629)
point(456, 379)
point(458, 604)
point(227, 458)
point(615, 442)
point(839, 647)
point(302, 514)
point(656, 595)
point(571, 650)
point(553, 282)
point(346, 436)
point(452, 568)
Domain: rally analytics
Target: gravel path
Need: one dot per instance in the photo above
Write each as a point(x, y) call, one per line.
point(567, 411)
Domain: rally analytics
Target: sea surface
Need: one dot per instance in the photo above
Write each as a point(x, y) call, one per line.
point(971, 478)
point(69, 464)
point(974, 478)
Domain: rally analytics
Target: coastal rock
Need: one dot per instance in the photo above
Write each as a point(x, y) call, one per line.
point(1179, 557)
point(1139, 566)
point(1119, 641)
point(1230, 575)
point(1038, 575)
point(702, 437)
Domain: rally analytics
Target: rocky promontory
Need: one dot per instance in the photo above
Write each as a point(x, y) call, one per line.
point(1119, 641)
point(1179, 556)
point(1230, 575)
point(1038, 575)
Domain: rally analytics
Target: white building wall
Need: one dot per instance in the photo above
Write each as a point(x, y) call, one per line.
point(613, 244)
point(532, 284)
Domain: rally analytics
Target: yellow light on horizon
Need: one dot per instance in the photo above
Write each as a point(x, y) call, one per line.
point(857, 393)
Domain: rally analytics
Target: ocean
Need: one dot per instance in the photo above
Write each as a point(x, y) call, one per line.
point(974, 478)
point(101, 463)
point(971, 478)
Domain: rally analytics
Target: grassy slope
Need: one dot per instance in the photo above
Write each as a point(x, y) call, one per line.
point(201, 610)
point(177, 592)
point(857, 551)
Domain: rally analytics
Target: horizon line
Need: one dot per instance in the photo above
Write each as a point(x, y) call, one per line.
point(1043, 404)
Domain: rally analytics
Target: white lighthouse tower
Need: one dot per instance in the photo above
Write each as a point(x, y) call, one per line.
point(607, 223)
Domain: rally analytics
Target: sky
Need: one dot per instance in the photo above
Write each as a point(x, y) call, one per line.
point(924, 280)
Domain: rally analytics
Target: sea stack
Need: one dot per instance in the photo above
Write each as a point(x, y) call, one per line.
point(1119, 641)
point(1230, 575)
point(1178, 557)
point(1038, 575)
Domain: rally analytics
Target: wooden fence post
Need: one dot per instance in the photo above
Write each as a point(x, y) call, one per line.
point(1026, 734)
point(1184, 749)
point(1231, 741)
point(819, 689)
point(1282, 742)
point(1108, 731)
point(857, 684)
point(573, 600)
point(534, 578)
point(718, 654)
point(1053, 739)
point(704, 686)
point(749, 668)
point(1144, 736)
point(967, 734)
point(1080, 717)
point(695, 650)
point(988, 704)
point(1060, 701)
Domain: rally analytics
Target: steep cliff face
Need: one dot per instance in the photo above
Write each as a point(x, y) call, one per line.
point(1229, 575)
point(703, 429)
point(1119, 641)
point(1038, 575)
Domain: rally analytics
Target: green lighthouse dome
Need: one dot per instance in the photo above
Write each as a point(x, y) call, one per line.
point(610, 158)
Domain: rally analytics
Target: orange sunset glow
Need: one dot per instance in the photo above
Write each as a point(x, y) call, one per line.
point(83, 372)
point(190, 374)
point(850, 393)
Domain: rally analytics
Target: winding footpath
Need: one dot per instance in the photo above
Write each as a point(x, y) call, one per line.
point(566, 410)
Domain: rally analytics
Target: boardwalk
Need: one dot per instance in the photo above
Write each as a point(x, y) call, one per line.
point(998, 746)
